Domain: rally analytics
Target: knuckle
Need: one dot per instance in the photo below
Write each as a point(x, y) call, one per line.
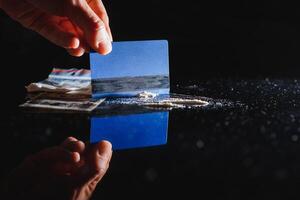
point(104, 17)
point(70, 138)
point(104, 164)
point(101, 171)
point(101, 24)
point(75, 3)
point(70, 5)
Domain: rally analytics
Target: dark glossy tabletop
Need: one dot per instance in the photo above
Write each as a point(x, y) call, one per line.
point(244, 144)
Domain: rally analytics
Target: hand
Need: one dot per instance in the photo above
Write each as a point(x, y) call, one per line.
point(74, 25)
point(69, 171)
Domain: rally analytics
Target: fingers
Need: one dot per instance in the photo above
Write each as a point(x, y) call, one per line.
point(76, 52)
point(50, 28)
point(98, 157)
point(98, 7)
point(44, 24)
point(73, 145)
point(67, 152)
point(93, 22)
point(101, 156)
point(55, 154)
point(83, 47)
point(61, 159)
point(80, 13)
point(63, 39)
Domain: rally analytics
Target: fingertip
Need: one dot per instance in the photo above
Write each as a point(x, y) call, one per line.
point(75, 157)
point(104, 145)
point(97, 25)
point(104, 49)
point(76, 52)
point(70, 139)
point(103, 156)
point(74, 43)
point(103, 42)
point(80, 146)
point(104, 150)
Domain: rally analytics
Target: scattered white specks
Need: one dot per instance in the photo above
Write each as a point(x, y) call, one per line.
point(200, 144)
point(262, 129)
point(273, 136)
point(48, 131)
point(218, 104)
point(295, 138)
point(151, 174)
point(163, 101)
point(248, 162)
point(263, 112)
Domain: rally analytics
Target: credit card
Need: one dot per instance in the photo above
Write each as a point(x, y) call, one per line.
point(131, 68)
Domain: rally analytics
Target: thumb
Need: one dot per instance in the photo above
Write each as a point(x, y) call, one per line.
point(95, 33)
point(98, 159)
point(83, 16)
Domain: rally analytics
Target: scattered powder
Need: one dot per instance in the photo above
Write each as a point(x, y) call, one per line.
point(166, 101)
point(178, 103)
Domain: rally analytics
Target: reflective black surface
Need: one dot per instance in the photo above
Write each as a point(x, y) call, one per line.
point(131, 130)
point(245, 144)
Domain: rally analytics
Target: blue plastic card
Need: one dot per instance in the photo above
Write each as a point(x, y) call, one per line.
point(131, 131)
point(132, 67)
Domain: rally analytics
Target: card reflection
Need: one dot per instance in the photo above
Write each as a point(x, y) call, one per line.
point(132, 130)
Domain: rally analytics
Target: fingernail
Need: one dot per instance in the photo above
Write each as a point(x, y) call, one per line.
point(104, 149)
point(104, 46)
point(75, 42)
point(104, 153)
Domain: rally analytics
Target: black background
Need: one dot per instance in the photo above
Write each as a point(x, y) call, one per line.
point(208, 39)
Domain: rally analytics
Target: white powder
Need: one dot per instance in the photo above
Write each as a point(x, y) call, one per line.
point(169, 101)
point(146, 95)
point(177, 103)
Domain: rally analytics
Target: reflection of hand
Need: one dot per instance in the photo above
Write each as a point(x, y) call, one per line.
point(68, 171)
point(72, 24)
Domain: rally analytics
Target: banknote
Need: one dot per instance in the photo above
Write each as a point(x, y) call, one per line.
point(83, 106)
point(64, 81)
point(59, 96)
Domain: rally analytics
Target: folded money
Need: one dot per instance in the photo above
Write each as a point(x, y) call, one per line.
point(64, 89)
point(83, 106)
point(64, 81)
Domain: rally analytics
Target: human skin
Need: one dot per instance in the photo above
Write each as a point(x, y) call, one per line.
point(70, 171)
point(75, 25)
